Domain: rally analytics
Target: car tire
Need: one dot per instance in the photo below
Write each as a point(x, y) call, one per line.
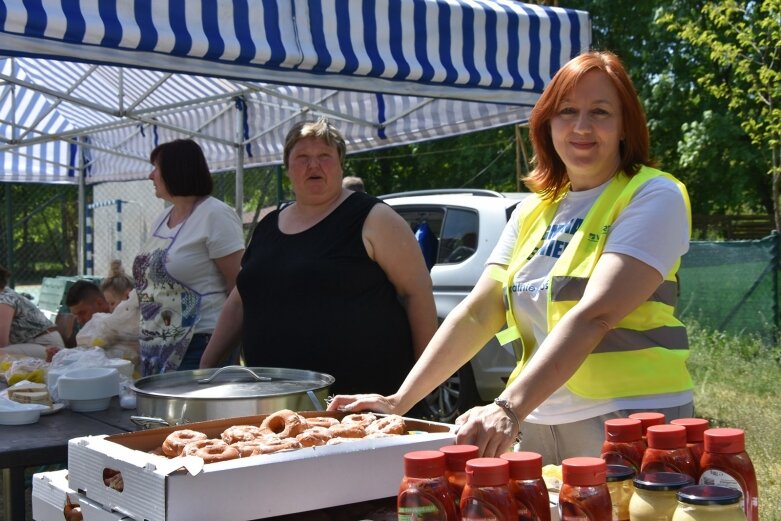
point(454, 397)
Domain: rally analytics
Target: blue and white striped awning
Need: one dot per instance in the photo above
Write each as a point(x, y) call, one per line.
point(99, 83)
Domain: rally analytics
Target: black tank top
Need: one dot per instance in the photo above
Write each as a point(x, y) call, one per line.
point(315, 300)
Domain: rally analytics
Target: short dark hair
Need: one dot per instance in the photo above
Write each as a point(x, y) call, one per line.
point(321, 129)
point(5, 276)
point(80, 291)
point(183, 167)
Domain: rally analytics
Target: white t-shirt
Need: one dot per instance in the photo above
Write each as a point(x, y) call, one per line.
point(212, 230)
point(653, 228)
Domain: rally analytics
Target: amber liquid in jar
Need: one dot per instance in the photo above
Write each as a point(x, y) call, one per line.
point(527, 486)
point(456, 457)
point(725, 463)
point(623, 443)
point(424, 494)
point(584, 495)
point(667, 451)
point(486, 495)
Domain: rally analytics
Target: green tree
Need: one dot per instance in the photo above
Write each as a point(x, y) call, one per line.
point(742, 40)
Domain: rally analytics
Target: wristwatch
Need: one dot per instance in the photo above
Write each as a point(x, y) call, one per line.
point(508, 409)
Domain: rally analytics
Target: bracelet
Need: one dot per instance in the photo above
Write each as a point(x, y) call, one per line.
point(508, 409)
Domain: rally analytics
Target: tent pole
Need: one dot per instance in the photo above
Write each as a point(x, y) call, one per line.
point(82, 215)
point(240, 161)
point(9, 230)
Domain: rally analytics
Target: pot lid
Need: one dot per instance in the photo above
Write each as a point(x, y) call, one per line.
point(232, 382)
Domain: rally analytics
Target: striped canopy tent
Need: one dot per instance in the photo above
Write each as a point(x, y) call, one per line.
point(93, 85)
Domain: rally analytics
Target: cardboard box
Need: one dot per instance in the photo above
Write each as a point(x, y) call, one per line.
point(157, 488)
point(50, 490)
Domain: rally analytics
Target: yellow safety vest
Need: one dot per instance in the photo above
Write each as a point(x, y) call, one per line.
point(646, 352)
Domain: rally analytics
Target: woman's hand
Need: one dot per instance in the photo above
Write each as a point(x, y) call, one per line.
point(489, 428)
point(51, 351)
point(362, 402)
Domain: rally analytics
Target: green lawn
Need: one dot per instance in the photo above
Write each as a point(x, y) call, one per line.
point(738, 384)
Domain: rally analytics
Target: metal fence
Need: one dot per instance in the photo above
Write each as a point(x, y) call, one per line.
point(40, 226)
point(733, 286)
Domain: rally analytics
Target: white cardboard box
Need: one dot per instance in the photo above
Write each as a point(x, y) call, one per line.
point(50, 490)
point(159, 489)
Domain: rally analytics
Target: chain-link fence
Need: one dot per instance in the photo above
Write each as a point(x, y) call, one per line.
point(733, 286)
point(40, 223)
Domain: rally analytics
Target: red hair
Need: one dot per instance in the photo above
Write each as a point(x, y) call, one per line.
point(549, 176)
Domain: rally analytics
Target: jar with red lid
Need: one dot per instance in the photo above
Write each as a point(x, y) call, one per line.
point(695, 436)
point(725, 463)
point(620, 485)
point(584, 495)
point(623, 443)
point(667, 451)
point(527, 486)
point(456, 457)
point(486, 495)
point(424, 494)
point(648, 419)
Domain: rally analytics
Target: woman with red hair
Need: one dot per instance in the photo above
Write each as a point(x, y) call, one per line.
point(584, 277)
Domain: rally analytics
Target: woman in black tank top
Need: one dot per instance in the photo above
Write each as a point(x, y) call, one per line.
point(334, 283)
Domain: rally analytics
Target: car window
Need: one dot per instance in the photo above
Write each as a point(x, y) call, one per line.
point(455, 231)
point(458, 238)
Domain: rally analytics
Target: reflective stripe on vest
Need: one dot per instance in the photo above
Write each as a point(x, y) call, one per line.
point(647, 350)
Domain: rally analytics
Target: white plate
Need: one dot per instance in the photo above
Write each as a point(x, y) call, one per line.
point(19, 416)
point(56, 407)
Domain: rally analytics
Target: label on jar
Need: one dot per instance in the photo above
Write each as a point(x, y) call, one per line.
point(721, 479)
point(420, 507)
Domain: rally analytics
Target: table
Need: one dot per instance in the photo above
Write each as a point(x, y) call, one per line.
point(46, 443)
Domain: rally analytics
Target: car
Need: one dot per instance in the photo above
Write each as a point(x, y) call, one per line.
point(457, 230)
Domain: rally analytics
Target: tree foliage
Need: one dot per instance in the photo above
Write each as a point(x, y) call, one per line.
point(742, 42)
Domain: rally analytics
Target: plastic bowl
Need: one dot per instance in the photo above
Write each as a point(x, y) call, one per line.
point(89, 383)
point(124, 367)
point(20, 416)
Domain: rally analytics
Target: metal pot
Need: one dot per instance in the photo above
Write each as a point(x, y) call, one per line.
point(208, 394)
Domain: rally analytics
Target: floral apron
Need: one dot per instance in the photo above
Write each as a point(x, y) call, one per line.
point(169, 309)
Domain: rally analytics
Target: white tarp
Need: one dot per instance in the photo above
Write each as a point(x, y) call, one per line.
point(101, 82)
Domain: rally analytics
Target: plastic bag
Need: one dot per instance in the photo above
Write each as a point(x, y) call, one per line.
point(116, 333)
point(14, 370)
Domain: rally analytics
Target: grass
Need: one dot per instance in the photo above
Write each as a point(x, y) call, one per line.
point(738, 384)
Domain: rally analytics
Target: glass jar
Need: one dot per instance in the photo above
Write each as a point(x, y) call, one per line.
point(486, 494)
point(456, 457)
point(424, 493)
point(648, 419)
point(709, 503)
point(584, 495)
point(654, 498)
point(726, 463)
point(667, 451)
point(623, 443)
point(527, 486)
point(621, 488)
point(695, 436)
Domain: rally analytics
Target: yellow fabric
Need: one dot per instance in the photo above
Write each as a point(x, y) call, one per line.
point(603, 375)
